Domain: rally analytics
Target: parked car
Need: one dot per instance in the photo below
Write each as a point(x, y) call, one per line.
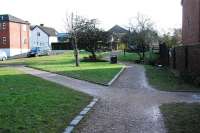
point(39, 51)
point(3, 55)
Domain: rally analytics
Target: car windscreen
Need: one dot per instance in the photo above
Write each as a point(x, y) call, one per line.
point(34, 49)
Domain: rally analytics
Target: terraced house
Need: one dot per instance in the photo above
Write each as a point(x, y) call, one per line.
point(14, 35)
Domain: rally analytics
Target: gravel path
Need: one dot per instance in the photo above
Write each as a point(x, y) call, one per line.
point(130, 105)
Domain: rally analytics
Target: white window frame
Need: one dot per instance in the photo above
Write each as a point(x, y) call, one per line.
point(24, 28)
point(25, 41)
point(4, 40)
point(3, 26)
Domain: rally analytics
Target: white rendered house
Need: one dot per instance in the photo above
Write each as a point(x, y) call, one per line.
point(41, 36)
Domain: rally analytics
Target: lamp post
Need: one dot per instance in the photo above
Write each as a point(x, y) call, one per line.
point(111, 43)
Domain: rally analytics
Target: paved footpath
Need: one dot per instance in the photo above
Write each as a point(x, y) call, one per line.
point(130, 105)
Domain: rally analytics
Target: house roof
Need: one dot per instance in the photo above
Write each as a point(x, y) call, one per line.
point(117, 29)
point(32, 27)
point(10, 18)
point(48, 30)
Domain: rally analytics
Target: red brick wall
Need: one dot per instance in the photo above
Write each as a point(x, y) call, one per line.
point(17, 35)
point(5, 33)
point(191, 22)
point(188, 56)
point(194, 59)
point(187, 59)
point(180, 58)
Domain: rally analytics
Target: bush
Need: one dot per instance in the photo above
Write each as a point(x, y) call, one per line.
point(151, 58)
point(92, 59)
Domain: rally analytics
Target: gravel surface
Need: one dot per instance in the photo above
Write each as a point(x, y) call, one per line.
point(130, 105)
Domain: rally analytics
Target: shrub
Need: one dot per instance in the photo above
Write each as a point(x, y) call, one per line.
point(151, 58)
point(91, 59)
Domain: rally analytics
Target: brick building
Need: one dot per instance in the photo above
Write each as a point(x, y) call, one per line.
point(191, 22)
point(14, 35)
point(186, 58)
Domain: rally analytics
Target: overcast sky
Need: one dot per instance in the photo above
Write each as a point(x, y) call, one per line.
point(166, 14)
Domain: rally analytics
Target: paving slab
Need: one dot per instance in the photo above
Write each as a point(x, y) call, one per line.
point(69, 129)
point(129, 105)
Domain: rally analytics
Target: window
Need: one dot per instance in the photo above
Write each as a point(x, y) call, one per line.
point(4, 26)
point(24, 27)
point(0, 26)
point(4, 40)
point(38, 34)
point(25, 41)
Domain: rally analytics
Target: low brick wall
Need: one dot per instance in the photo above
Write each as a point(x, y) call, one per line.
point(194, 59)
point(180, 59)
point(186, 59)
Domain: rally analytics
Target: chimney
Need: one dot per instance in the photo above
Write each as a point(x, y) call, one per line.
point(27, 22)
point(42, 25)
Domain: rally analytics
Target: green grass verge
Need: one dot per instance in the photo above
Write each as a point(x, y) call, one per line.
point(131, 57)
point(164, 79)
point(30, 104)
point(98, 72)
point(181, 117)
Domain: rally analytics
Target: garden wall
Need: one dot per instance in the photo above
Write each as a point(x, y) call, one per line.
point(61, 46)
point(186, 59)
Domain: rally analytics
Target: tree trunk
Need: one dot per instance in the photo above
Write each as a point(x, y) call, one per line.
point(76, 52)
point(139, 55)
point(124, 52)
point(94, 55)
point(143, 52)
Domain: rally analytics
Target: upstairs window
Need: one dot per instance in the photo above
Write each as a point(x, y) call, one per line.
point(38, 33)
point(4, 26)
point(24, 28)
point(4, 40)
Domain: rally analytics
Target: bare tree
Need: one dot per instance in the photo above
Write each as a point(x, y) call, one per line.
point(72, 24)
point(85, 35)
point(142, 34)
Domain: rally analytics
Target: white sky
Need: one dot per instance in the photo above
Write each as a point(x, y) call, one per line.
point(166, 14)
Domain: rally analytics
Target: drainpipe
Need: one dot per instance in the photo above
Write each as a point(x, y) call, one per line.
point(20, 38)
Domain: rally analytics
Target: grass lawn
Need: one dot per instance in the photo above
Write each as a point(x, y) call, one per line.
point(181, 117)
point(131, 57)
point(30, 104)
point(100, 72)
point(164, 79)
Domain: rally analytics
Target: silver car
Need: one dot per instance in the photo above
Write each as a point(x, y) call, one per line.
point(3, 55)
